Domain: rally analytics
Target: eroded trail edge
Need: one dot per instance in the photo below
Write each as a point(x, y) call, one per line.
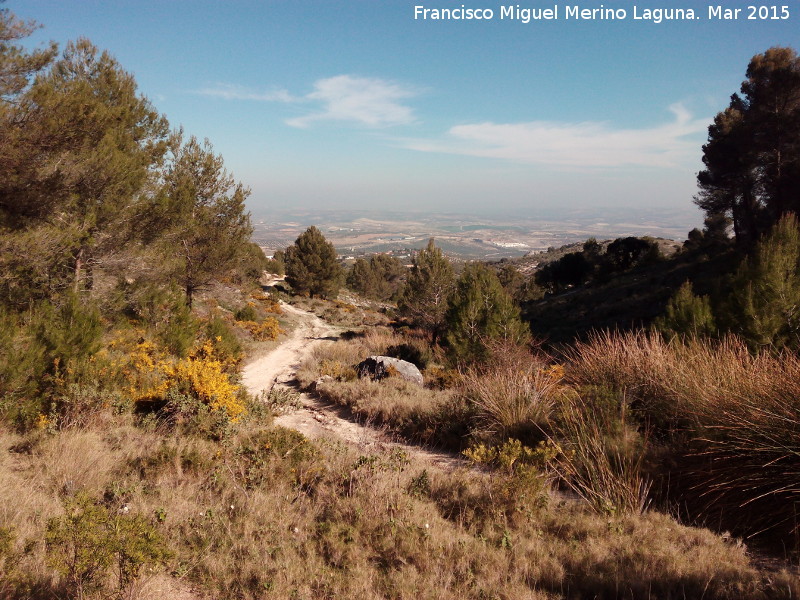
point(316, 418)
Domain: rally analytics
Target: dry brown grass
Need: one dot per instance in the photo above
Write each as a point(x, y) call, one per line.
point(515, 394)
point(732, 417)
point(600, 458)
point(419, 414)
point(342, 313)
point(346, 354)
point(269, 514)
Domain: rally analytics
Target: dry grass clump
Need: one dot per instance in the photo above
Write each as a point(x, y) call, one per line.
point(649, 556)
point(515, 394)
point(429, 415)
point(600, 457)
point(733, 419)
point(268, 514)
point(636, 418)
point(334, 359)
point(419, 414)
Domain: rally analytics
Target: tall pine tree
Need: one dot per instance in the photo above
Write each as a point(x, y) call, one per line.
point(481, 312)
point(312, 266)
point(427, 291)
point(752, 157)
point(209, 229)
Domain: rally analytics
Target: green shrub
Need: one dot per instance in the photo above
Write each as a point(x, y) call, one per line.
point(91, 541)
point(227, 347)
point(246, 313)
point(22, 364)
point(68, 332)
point(481, 313)
point(178, 332)
point(687, 315)
point(277, 450)
point(765, 300)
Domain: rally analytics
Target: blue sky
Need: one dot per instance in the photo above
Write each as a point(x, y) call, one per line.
point(321, 104)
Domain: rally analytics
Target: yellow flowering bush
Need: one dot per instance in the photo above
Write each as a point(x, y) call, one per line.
point(555, 372)
point(346, 306)
point(269, 304)
point(204, 379)
point(512, 455)
point(269, 329)
point(143, 369)
point(151, 374)
point(43, 422)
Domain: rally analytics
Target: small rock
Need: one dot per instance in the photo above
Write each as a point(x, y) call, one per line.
point(380, 367)
point(320, 381)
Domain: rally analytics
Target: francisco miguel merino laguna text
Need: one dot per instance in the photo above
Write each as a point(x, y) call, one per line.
point(514, 12)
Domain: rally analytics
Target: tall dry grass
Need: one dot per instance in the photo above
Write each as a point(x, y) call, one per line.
point(732, 416)
point(515, 394)
point(600, 457)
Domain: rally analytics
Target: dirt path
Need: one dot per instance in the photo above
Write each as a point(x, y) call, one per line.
point(280, 365)
point(315, 418)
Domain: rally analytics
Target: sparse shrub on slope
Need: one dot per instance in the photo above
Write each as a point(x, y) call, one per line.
point(96, 548)
point(270, 513)
point(246, 313)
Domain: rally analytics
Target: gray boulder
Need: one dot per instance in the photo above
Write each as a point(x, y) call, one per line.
point(378, 367)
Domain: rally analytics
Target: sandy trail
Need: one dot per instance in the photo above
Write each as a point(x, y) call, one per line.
point(315, 418)
point(280, 365)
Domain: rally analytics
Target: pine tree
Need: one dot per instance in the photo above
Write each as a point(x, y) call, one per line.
point(765, 305)
point(378, 278)
point(312, 266)
point(80, 147)
point(752, 157)
point(425, 297)
point(480, 312)
point(17, 65)
point(687, 315)
point(208, 227)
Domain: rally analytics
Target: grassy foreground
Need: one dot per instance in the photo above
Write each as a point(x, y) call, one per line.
point(266, 513)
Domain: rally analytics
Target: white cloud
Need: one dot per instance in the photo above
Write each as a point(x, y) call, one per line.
point(587, 144)
point(367, 101)
point(227, 91)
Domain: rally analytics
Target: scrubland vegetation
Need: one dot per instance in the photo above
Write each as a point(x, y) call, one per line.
point(647, 462)
point(269, 514)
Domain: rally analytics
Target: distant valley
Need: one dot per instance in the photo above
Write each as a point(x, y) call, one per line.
point(469, 237)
